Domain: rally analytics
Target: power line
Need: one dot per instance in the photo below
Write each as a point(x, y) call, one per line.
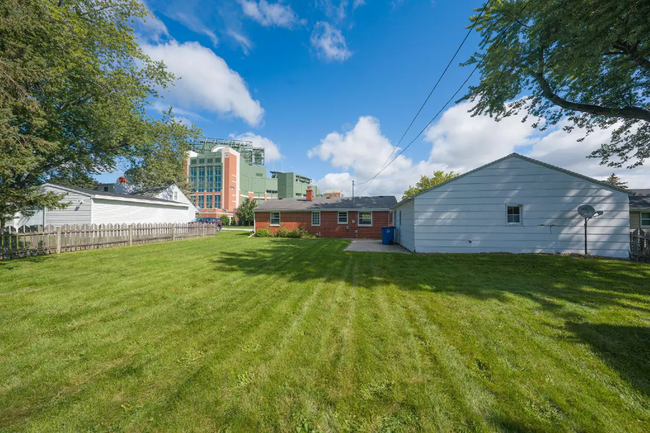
point(385, 166)
point(435, 86)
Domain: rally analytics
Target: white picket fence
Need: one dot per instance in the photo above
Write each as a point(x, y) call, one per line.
point(38, 240)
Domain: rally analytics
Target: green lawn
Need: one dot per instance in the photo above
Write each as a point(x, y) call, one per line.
point(239, 334)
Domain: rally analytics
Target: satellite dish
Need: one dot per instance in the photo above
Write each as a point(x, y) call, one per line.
point(586, 211)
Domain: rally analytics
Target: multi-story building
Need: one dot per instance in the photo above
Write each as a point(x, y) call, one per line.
point(224, 172)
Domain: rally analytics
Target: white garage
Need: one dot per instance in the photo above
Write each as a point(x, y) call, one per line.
point(515, 204)
point(87, 206)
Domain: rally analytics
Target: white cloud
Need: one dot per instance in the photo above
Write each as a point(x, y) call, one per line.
point(358, 3)
point(329, 43)
point(364, 150)
point(272, 153)
point(459, 142)
point(243, 41)
point(270, 14)
point(193, 23)
point(206, 82)
point(332, 11)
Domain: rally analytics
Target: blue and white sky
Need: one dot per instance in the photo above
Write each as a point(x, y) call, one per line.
point(328, 87)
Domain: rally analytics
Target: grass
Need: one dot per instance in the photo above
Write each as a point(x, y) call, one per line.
point(238, 334)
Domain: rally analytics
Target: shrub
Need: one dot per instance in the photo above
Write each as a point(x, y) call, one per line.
point(225, 220)
point(263, 233)
point(283, 232)
point(297, 233)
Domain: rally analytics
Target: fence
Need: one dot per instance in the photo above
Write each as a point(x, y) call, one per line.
point(640, 245)
point(38, 240)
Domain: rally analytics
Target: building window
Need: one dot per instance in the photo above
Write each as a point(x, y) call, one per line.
point(217, 176)
point(193, 199)
point(275, 218)
point(315, 218)
point(217, 202)
point(514, 215)
point(209, 204)
point(201, 202)
point(343, 218)
point(105, 189)
point(645, 219)
point(365, 219)
point(201, 185)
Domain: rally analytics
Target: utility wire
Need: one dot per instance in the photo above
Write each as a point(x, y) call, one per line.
point(435, 86)
point(515, 21)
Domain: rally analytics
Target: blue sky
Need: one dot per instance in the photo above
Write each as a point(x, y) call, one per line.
point(329, 87)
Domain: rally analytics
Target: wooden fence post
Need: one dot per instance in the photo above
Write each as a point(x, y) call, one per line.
point(130, 234)
point(58, 240)
point(173, 232)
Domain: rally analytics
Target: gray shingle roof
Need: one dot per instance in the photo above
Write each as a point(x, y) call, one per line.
point(382, 202)
point(640, 202)
point(641, 191)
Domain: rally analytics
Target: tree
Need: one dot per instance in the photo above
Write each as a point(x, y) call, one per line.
point(586, 63)
point(615, 181)
point(245, 212)
point(74, 89)
point(426, 182)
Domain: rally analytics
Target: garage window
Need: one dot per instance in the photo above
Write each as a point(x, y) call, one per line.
point(365, 219)
point(315, 218)
point(275, 218)
point(343, 218)
point(514, 215)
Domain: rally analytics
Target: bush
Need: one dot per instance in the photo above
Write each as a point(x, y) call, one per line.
point(283, 232)
point(225, 220)
point(297, 233)
point(263, 233)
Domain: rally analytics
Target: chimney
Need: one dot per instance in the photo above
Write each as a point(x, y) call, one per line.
point(310, 194)
point(121, 179)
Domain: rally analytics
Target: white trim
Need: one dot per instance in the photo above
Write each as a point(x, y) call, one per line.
point(312, 219)
point(359, 219)
point(271, 219)
point(101, 196)
point(521, 215)
point(347, 217)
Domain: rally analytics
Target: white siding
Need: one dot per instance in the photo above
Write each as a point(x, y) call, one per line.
point(173, 190)
point(405, 227)
point(468, 215)
point(106, 211)
point(77, 212)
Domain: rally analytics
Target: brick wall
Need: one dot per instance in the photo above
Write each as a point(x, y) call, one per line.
point(329, 227)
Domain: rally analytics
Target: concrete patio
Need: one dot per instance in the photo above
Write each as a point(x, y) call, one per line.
point(375, 246)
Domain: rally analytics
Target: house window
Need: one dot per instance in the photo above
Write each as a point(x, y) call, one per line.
point(209, 198)
point(315, 218)
point(400, 218)
point(275, 218)
point(343, 218)
point(514, 215)
point(365, 219)
point(645, 219)
point(201, 202)
point(105, 189)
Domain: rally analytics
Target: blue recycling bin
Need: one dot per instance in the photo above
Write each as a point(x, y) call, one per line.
point(387, 235)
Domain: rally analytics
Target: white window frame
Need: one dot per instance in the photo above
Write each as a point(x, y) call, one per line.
point(312, 219)
point(359, 217)
point(521, 215)
point(645, 226)
point(271, 219)
point(338, 218)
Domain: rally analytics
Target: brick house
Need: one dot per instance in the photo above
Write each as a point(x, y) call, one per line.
point(329, 217)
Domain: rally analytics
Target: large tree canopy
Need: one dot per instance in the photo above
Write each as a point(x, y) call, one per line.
point(584, 60)
point(74, 86)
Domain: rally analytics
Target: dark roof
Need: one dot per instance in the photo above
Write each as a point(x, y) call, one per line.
point(382, 202)
point(641, 191)
point(640, 202)
point(94, 192)
point(525, 158)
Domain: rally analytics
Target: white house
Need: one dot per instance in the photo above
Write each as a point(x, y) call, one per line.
point(171, 193)
point(515, 204)
point(88, 206)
